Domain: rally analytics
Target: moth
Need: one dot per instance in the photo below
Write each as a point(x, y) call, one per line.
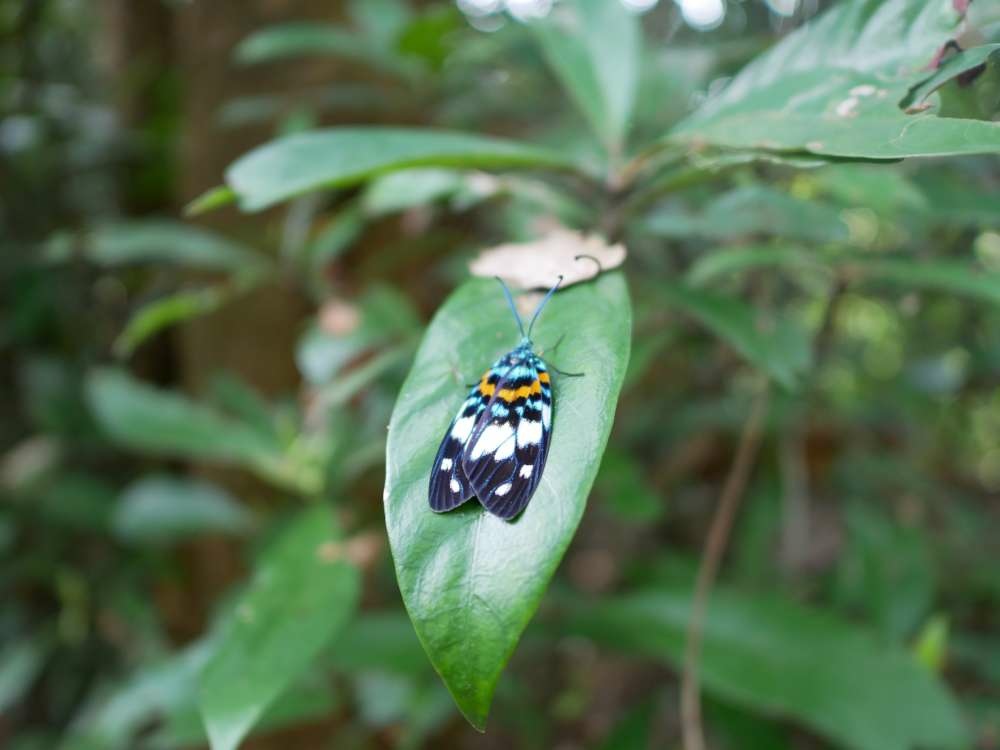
point(496, 446)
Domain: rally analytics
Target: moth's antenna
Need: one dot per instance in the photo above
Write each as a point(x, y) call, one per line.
point(513, 308)
point(541, 304)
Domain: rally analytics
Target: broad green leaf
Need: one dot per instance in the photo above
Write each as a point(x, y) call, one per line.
point(594, 47)
point(956, 277)
point(177, 308)
point(471, 581)
point(161, 509)
point(165, 423)
point(950, 69)
point(166, 693)
point(886, 191)
point(409, 188)
point(302, 594)
point(778, 658)
point(162, 689)
point(310, 698)
point(153, 241)
point(754, 210)
point(382, 316)
point(938, 275)
point(712, 264)
point(341, 157)
point(775, 346)
point(834, 87)
point(303, 38)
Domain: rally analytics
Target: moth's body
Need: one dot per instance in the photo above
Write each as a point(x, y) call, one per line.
point(496, 446)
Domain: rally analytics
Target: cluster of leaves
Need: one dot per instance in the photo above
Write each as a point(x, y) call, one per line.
point(865, 295)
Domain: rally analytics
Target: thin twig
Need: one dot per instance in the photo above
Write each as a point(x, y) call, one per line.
point(715, 547)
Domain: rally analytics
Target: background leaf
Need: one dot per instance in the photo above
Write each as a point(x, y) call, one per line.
point(302, 594)
point(753, 210)
point(833, 87)
point(303, 38)
point(774, 656)
point(472, 581)
point(340, 157)
point(776, 346)
point(162, 508)
point(145, 418)
point(594, 48)
point(156, 241)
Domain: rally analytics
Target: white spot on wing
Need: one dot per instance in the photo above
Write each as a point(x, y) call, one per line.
point(503, 489)
point(463, 428)
point(455, 486)
point(445, 464)
point(547, 415)
point(529, 433)
point(491, 439)
point(526, 470)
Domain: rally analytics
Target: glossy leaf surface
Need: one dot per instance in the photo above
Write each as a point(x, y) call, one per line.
point(777, 657)
point(340, 157)
point(302, 594)
point(841, 86)
point(471, 581)
point(594, 47)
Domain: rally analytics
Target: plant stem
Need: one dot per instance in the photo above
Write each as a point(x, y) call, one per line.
point(715, 547)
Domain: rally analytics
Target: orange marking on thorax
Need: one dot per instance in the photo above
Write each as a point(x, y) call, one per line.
point(485, 386)
point(511, 394)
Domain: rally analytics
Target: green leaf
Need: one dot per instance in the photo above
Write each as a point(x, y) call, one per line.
point(950, 69)
point(712, 264)
point(301, 596)
point(776, 657)
point(410, 188)
point(159, 509)
point(154, 241)
point(160, 422)
point(938, 275)
point(594, 48)
point(775, 346)
point(303, 38)
point(834, 87)
point(754, 210)
point(470, 580)
point(311, 698)
point(210, 200)
point(174, 309)
point(21, 661)
point(341, 157)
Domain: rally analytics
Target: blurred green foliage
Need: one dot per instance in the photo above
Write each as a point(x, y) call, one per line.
point(751, 170)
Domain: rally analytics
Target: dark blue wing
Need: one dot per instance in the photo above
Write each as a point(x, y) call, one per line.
point(449, 486)
point(505, 454)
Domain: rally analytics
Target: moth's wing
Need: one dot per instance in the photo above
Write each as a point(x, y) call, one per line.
point(505, 455)
point(449, 485)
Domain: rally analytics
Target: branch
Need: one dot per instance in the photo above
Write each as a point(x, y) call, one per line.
point(715, 547)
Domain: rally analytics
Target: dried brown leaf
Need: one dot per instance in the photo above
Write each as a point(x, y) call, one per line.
point(538, 264)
